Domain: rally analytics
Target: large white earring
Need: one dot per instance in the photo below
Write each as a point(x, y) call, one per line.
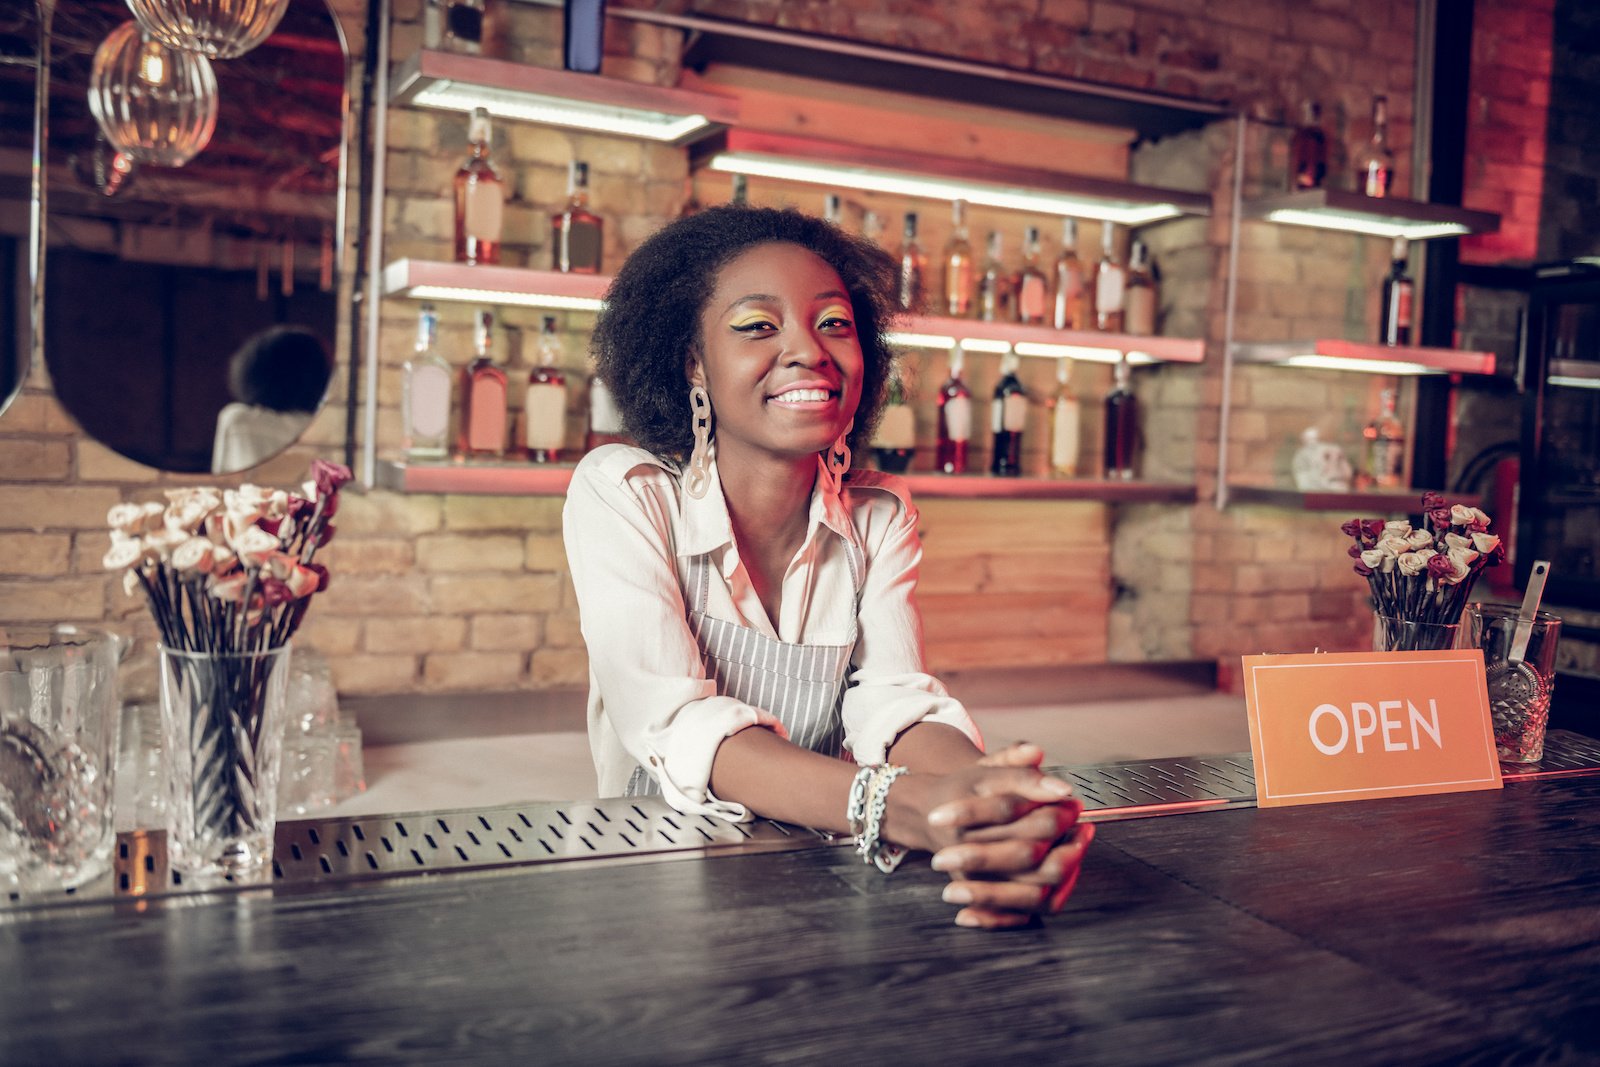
point(837, 457)
point(697, 478)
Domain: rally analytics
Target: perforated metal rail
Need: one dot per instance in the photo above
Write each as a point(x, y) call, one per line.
point(362, 848)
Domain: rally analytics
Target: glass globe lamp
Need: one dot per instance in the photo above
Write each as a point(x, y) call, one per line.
point(217, 29)
point(157, 104)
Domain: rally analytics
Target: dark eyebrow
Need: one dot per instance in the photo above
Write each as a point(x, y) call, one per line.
point(752, 298)
point(833, 292)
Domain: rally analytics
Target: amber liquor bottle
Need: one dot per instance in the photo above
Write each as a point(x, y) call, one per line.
point(1139, 299)
point(483, 395)
point(1394, 314)
point(913, 266)
point(576, 233)
point(955, 419)
point(1008, 416)
point(480, 199)
point(1375, 161)
point(1032, 286)
point(1308, 150)
point(1121, 426)
point(544, 405)
point(994, 285)
point(1110, 284)
point(1071, 294)
point(958, 267)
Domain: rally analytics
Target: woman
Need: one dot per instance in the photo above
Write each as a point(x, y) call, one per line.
point(748, 608)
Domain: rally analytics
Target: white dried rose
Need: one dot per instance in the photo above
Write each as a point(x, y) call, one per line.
point(277, 504)
point(245, 504)
point(1480, 519)
point(1420, 539)
point(1425, 554)
point(302, 581)
point(1460, 514)
point(229, 589)
point(126, 519)
point(1411, 564)
point(223, 558)
point(130, 582)
point(1394, 544)
point(163, 541)
point(255, 546)
point(152, 515)
point(196, 554)
point(1464, 556)
point(1374, 558)
point(1458, 572)
point(1484, 542)
point(124, 552)
point(1453, 541)
point(1398, 527)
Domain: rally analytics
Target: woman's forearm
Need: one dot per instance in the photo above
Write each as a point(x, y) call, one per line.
point(933, 748)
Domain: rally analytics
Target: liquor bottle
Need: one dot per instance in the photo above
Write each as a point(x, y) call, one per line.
point(1008, 417)
point(1110, 284)
point(605, 420)
point(955, 419)
point(1139, 300)
point(1065, 424)
point(1386, 444)
point(1032, 287)
point(1308, 150)
point(913, 266)
point(1394, 315)
point(1072, 295)
point(994, 286)
point(1375, 162)
point(480, 198)
point(544, 406)
point(425, 401)
point(894, 441)
point(483, 395)
point(833, 209)
point(454, 25)
point(576, 234)
point(872, 227)
point(741, 190)
point(958, 267)
point(1122, 427)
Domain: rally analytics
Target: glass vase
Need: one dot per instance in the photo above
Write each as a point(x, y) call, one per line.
point(222, 724)
point(1390, 634)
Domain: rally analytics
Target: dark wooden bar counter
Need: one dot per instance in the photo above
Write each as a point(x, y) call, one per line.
point(1452, 929)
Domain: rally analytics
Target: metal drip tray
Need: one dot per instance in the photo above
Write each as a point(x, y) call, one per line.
point(1144, 788)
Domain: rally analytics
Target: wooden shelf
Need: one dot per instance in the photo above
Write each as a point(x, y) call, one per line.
point(419, 279)
point(1335, 209)
point(1354, 501)
point(590, 102)
point(512, 478)
point(1365, 357)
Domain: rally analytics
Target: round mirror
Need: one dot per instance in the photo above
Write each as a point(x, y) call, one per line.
point(190, 312)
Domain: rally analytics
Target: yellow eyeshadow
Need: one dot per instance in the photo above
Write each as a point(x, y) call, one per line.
point(833, 311)
point(751, 318)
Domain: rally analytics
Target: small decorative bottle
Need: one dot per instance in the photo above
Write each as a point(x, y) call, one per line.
point(1394, 314)
point(994, 287)
point(1375, 161)
point(1308, 150)
point(577, 235)
point(544, 407)
point(913, 265)
point(958, 267)
point(480, 198)
point(894, 442)
point(1032, 287)
point(955, 419)
point(1110, 284)
point(1072, 295)
point(1386, 445)
point(1008, 417)
point(483, 395)
point(425, 404)
point(1139, 299)
point(1065, 424)
point(1122, 426)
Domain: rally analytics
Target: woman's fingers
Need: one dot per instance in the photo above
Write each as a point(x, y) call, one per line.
point(1048, 822)
point(1033, 861)
point(1018, 754)
point(992, 904)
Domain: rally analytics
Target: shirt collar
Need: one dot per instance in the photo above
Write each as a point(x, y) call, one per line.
point(707, 527)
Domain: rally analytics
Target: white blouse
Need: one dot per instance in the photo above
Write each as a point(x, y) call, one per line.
point(631, 534)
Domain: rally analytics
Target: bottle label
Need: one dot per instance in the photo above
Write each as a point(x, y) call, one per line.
point(430, 401)
point(577, 246)
point(1064, 436)
point(544, 416)
point(486, 430)
point(1140, 314)
point(604, 418)
point(485, 213)
point(958, 418)
point(1031, 301)
point(1403, 311)
point(1011, 413)
point(1109, 289)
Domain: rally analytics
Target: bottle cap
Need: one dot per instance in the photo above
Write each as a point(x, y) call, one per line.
point(1069, 233)
point(478, 127)
point(911, 224)
point(549, 324)
point(577, 176)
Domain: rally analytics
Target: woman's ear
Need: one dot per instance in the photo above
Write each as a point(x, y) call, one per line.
point(693, 372)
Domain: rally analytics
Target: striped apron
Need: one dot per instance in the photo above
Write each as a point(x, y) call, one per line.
point(802, 686)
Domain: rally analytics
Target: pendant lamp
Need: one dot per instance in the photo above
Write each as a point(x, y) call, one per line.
point(217, 29)
point(157, 104)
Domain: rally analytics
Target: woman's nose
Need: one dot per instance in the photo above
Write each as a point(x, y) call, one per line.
point(806, 349)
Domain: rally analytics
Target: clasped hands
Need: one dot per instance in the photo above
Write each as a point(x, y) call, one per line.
point(1009, 837)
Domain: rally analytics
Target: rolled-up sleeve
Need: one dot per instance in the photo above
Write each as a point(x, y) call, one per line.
point(642, 655)
point(889, 688)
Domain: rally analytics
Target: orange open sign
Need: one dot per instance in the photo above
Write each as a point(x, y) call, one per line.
point(1359, 725)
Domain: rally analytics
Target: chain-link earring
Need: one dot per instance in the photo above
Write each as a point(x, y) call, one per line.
point(837, 457)
point(697, 478)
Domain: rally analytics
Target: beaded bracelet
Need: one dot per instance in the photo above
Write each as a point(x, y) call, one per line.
point(869, 843)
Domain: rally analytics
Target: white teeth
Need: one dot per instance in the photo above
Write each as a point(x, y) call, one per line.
point(801, 396)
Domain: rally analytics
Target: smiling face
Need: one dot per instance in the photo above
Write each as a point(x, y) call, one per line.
point(779, 354)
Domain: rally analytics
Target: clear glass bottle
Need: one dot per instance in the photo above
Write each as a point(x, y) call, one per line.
point(1008, 418)
point(544, 405)
point(577, 234)
point(1072, 295)
point(913, 266)
point(1110, 283)
point(1308, 150)
point(1121, 426)
point(958, 267)
point(955, 419)
point(1386, 445)
point(1375, 161)
point(1398, 301)
point(1032, 286)
point(994, 285)
point(605, 419)
point(484, 389)
point(426, 393)
point(480, 198)
point(1066, 424)
point(1140, 299)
